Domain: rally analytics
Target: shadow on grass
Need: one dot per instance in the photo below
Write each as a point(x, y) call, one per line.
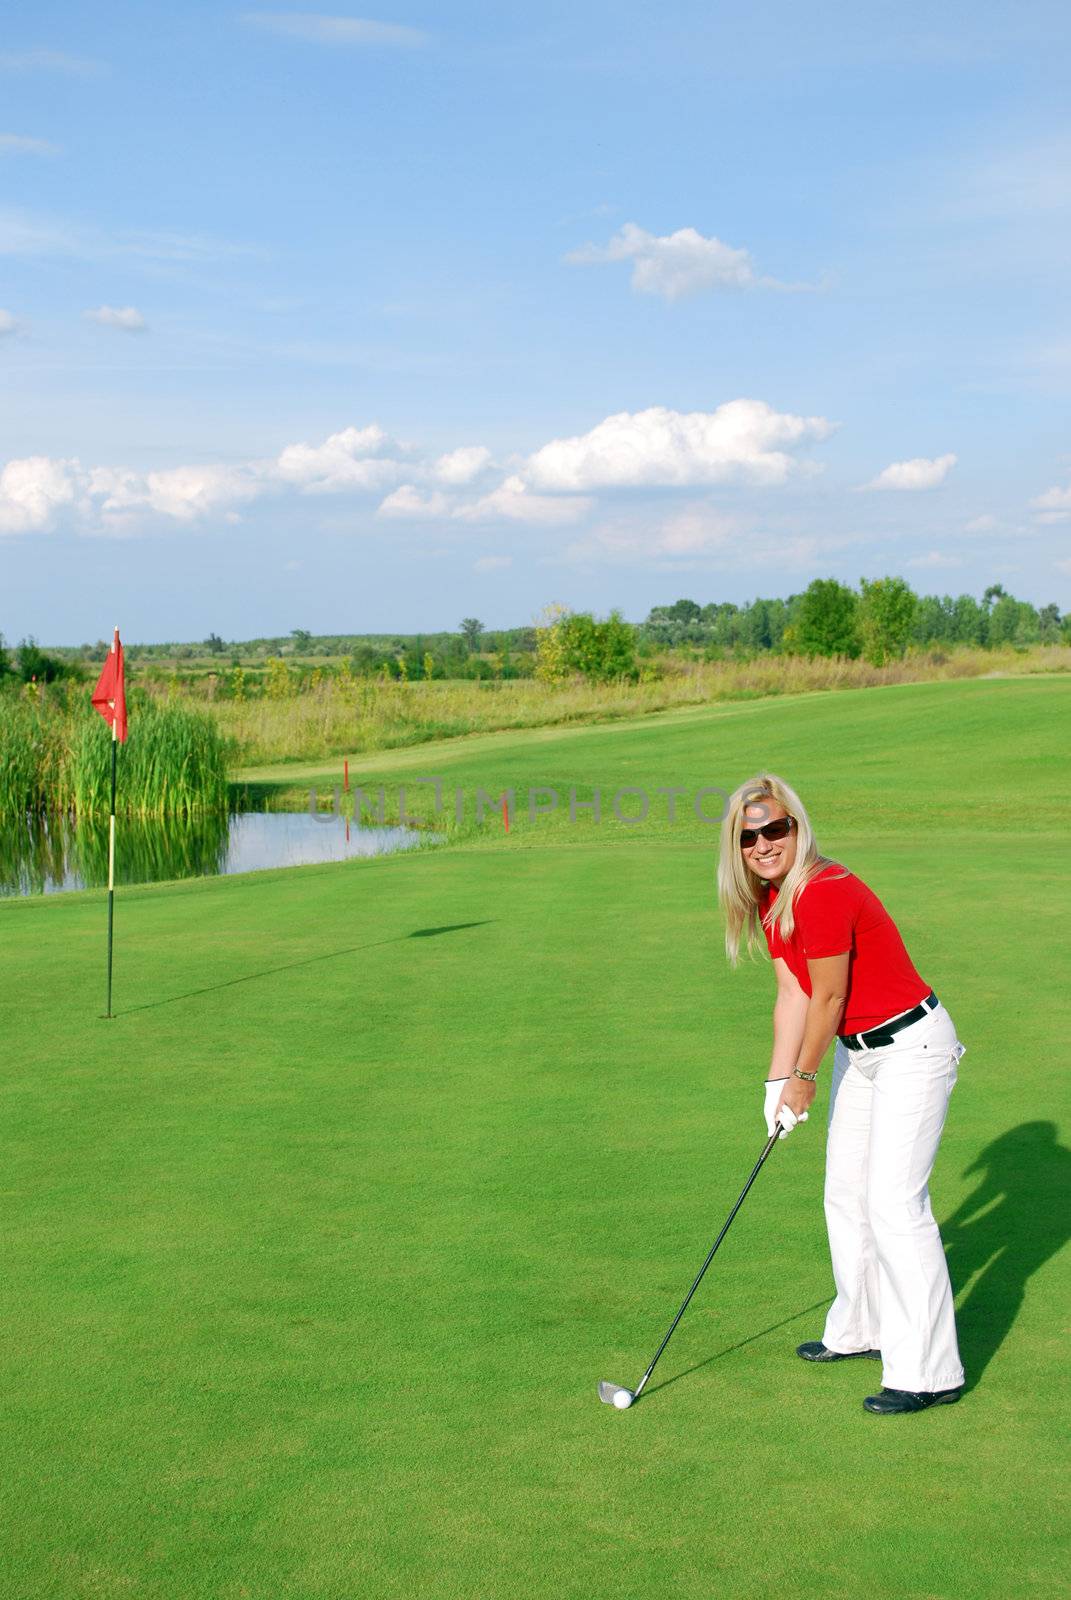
point(1017, 1217)
point(294, 966)
point(819, 1305)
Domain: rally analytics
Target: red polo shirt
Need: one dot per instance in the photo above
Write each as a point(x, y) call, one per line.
point(836, 912)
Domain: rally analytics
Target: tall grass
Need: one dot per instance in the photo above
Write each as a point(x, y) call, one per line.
point(33, 753)
point(56, 758)
point(339, 718)
point(173, 764)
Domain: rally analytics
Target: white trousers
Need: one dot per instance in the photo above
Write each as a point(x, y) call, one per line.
point(886, 1111)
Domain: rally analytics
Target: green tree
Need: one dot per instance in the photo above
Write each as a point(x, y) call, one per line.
point(551, 663)
point(726, 623)
point(1013, 621)
point(214, 644)
point(471, 631)
point(886, 614)
point(931, 621)
point(31, 663)
point(827, 623)
point(302, 639)
point(575, 644)
point(5, 659)
point(599, 651)
point(970, 624)
point(683, 611)
point(758, 624)
point(1049, 625)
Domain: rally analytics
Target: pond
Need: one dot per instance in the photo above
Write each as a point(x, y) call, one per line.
point(48, 856)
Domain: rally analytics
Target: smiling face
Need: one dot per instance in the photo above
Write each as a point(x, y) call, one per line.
point(769, 859)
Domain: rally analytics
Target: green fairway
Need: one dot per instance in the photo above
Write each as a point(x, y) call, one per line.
point(313, 1257)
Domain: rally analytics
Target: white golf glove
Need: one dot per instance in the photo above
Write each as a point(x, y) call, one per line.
point(775, 1088)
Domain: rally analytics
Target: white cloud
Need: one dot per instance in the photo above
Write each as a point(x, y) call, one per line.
point(318, 29)
point(181, 493)
point(652, 449)
point(919, 473)
point(693, 532)
point(934, 558)
point(407, 501)
point(110, 499)
point(743, 441)
point(674, 265)
point(1063, 565)
point(47, 61)
point(21, 144)
point(701, 538)
point(491, 563)
point(8, 324)
point(983, 524)
point(1054, 505)
point(32, 490)
point(514, 500)
point(24, 233)
point(461, 466)
point(696, 529)
point(126, 318)
point(511, 501)
point(355, 458)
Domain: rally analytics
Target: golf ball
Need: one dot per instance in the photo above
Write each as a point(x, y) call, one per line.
point(622, 1399)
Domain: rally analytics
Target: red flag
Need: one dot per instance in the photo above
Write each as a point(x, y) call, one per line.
point(109, 697)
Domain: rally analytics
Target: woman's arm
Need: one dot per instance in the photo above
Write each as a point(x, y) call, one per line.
point(789, 1020)
point(829, 990)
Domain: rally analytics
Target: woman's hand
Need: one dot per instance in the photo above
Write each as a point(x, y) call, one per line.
point(796, 1100)
point(798, 1096)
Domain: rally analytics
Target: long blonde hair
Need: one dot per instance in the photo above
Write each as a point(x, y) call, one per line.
point(739, 888)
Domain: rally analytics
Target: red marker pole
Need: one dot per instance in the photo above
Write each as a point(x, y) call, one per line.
point(505, 814)
point(346, 775)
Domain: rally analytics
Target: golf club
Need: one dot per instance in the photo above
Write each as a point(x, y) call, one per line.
point(614, 1394)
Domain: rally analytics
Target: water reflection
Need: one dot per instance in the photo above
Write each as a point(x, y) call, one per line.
point(45, 856)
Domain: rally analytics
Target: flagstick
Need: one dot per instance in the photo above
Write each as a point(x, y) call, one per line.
point(111, 866)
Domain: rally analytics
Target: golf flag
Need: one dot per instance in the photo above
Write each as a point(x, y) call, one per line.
point(109, 697)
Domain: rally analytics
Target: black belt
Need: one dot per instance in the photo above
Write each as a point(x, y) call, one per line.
point(883, 1035)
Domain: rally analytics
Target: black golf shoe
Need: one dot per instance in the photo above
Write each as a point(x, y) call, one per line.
point(893, 1402)
point(815, 1350)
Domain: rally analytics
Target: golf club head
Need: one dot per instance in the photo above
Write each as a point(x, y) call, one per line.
point(612, 1394)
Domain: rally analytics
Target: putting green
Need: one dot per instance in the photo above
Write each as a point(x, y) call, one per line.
point(312, 1257)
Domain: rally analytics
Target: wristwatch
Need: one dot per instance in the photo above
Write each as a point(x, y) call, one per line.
point(808, 1077)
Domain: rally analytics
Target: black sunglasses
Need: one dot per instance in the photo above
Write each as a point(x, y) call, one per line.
point(769, 830)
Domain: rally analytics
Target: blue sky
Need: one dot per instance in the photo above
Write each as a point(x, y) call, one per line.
point(374, 320)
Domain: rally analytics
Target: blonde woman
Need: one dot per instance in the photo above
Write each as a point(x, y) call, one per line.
point(842, 970)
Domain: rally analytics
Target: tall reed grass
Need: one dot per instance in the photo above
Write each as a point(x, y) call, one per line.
point(173, 764)
point(57, 759)
point(363, 715)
